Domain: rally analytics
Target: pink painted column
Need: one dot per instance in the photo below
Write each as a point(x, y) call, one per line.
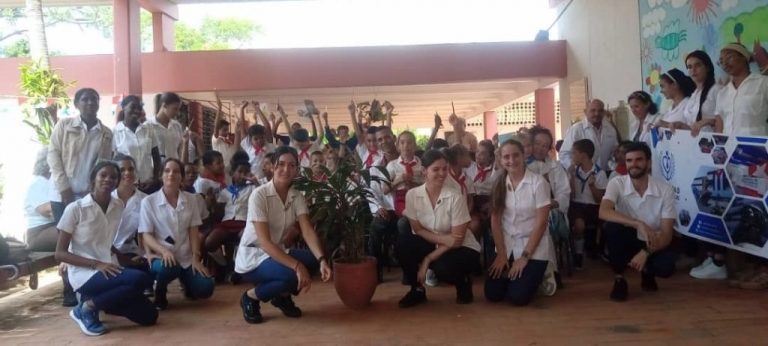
point(489, 124)
point(545, 108)
point(127, 57)
point(163, 32)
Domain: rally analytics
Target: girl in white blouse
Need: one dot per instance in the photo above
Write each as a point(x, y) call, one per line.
point(646, 114)
point(678, 88)
point(87, 230)
point(433, 235)
point(704, 99)
point(129, 253)
point(169, 226)
point(520, 208)
point(263, 258)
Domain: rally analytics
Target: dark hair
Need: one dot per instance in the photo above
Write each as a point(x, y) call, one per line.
point(638, 146)
point(488, 145)
point(256, 130)
point(316, 152)
point(372, 130)
point(625, 144)
point(81, 92)
point(269, 157)
point(709, 82)
point(222, 123)
point(404, 133)
point(645, 98)
point(122, 157)
point(382, 128)
point(558, 145)
point(239, 156)
point(585, 146)
point(124, 104)
point(418, 153)
point(195, 162)
point(210, 156)
point(439, 143)
point(282, 150)
point(166, 98)
point(540, 130)
point(431, 156)
point(177, 162)
point(454, 152)
point(499, 192)
point(238, 164)
point(99, 165)
point(342, 127)
point(685, 83)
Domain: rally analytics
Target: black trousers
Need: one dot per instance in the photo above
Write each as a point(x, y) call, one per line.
point(381, 233)
point(453, 267)
point(623, 244)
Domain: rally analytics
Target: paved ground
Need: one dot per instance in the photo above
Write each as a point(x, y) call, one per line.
point(683, 312)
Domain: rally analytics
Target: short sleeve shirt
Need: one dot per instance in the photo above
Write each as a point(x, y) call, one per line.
point(450, 210)
point(235, 204)
point(519, 218)
point(129, 224)
point(583, 193)
point(170, 225)
point(656, 204)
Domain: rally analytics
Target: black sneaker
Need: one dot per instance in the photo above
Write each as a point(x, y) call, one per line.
point(648, 283)
point(161, 300)
point(285, 304)
point(251, 309)
point(578, 261)
point(414, 297)
point(620, 290)
point(464, 293)
point(69, 299)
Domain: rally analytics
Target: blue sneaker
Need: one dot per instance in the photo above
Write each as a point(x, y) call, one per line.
point(88, 321)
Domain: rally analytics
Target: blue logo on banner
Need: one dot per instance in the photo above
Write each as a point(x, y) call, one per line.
point(709, 227)
point(668, 165)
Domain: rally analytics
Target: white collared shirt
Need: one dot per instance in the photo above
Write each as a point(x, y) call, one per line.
point(138, 146)
point(202, 185)
point(93, 231)
point(606, 140)
point(129, 223)
point(37, 195)
point(256, 159)
point(450, 210)
point(744, 110)
point(265, 205)
point(483, 186)
point(656, 204)
point(519, 218)
point(396, 168)
point(236, 208)
point(379, 199)
point(169, 139)
point(679, 113)
point(583, 193)
point(557, 177)
point(170, 226)
point(363, 153)
point(708, 109)
point(305, 156)
point(453, 182)
point(645, 128)
point(227, 150)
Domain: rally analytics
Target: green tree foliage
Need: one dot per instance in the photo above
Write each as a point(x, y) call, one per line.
point(214, 34)
point(46, 92)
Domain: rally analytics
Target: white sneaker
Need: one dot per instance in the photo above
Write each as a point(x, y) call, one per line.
point(706, 263)
point(710, 271)
point(431, 278)
point(548, 286)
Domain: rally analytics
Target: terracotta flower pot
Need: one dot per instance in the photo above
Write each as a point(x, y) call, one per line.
point(355, 282)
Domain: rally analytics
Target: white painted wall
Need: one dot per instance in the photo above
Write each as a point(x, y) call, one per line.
point(604, 46)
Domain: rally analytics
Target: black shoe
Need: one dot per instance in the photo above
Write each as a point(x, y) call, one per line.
point(233, 278)
point(285, 304)
point(464, 293)
point(578, 261)
point(414, 297)
point(620, 290)
point(648, 283)
point(68, 294)
point(251, 309)
point(161, 300)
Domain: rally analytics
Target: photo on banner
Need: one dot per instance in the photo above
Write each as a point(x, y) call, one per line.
point(720, 184)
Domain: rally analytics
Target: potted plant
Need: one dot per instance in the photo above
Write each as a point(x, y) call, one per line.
point(339, 210)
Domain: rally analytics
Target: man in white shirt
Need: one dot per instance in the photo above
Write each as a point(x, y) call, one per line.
point(742, 104)
point(597, 129)
point(639, 214)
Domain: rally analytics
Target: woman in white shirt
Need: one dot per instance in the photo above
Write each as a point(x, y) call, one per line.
point(520, 208)
point(129, 253)
point(135, 138)
point(87, 230)
point(677, 87)
point(704, 99)
point(646, 114)
point(262, 257)
point(41, 228)
point(168, 223)
point(168, 130)
point(433, 235)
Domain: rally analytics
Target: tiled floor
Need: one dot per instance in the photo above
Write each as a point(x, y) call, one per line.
point(683, 312)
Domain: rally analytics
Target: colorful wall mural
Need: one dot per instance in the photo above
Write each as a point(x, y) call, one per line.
point(670, 29)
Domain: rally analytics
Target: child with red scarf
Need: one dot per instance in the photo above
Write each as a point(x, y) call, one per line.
point(618, 156)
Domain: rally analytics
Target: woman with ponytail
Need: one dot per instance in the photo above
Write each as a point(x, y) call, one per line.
point(168, 130)
point(646, 114)
point(703, 99)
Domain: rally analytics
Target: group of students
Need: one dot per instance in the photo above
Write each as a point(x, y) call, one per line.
point(136, 193)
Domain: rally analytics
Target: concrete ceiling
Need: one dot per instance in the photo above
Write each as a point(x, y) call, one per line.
point(414, 104)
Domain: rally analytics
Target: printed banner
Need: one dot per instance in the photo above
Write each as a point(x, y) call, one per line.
point(720, 186)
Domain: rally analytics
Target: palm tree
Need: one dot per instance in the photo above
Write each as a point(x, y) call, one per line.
point(37, 42)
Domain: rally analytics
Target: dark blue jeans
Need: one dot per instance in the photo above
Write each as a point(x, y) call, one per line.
point(122, 295)
point(273, 279)
point(196, 285)
point(623, 244)
point(520, 291)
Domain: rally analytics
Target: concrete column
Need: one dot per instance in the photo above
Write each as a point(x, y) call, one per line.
point(489, 124)
point(545, 108)
point(127, 57)
point(163, 32)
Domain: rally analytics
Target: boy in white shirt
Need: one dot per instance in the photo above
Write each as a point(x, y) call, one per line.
point(588, 184)
point(406, 172)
